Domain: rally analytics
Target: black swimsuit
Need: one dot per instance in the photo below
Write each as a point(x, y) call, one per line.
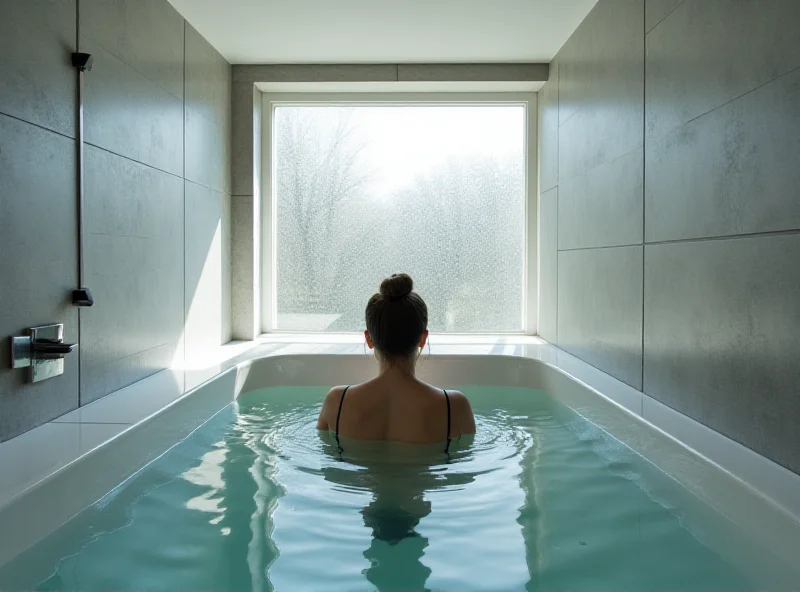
point(339, 416)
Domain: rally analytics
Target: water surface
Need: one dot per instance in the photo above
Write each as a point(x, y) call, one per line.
point(256, 500)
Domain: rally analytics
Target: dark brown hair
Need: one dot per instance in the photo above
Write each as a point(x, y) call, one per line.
point(396, 317)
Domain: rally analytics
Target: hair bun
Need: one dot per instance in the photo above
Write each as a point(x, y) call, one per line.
point(396, 287)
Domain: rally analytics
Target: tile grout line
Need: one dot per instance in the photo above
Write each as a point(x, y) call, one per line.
point(704, 239)
point(66, 422)
point(183, 189)
point(720, 106)
point(597, 368)
point(199, 114)
point(600, 247)
point(204, 186)
point(144, 164)
point(36, 125)
point(558, 184)
point(123, 61)
point(653, 138)
point(606, 162)
point(143, 351)
point(139, 162)
point(665, 17)
point(568, 118)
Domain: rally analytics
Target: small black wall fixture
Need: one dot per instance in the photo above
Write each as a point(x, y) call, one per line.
point(83, 63)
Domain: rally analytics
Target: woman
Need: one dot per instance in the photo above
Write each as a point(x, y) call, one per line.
point(397, 406)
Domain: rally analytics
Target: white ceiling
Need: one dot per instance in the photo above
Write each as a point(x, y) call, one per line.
point(385, 31)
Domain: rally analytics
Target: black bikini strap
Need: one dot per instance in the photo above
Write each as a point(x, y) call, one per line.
point(447, 398)
point(339, 416)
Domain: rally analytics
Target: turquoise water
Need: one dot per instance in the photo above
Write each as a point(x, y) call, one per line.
point(256, 500)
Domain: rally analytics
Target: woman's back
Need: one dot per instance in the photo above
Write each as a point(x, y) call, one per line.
point(398, 408)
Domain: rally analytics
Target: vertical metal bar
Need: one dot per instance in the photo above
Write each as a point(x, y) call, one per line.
point(79, 140)
point(81, 272)
point(80, 157)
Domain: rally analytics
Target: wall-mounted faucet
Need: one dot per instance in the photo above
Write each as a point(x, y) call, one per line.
point(42, 350)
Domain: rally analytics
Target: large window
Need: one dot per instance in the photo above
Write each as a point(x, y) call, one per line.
point(361, 191)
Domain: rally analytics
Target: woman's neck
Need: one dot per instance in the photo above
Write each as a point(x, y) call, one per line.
point(398, 366)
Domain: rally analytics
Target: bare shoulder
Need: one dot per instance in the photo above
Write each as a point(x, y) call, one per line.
point(335, 393)
point(462, 411)
point(329, 405)
point(458, 398)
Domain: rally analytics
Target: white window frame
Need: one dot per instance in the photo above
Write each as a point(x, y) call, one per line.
point(270, 101)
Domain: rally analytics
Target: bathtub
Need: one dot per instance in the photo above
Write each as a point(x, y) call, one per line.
point(750, 506)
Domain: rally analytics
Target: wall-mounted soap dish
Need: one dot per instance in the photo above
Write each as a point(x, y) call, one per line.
point(42, 351)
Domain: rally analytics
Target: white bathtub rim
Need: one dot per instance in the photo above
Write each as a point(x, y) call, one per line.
point(44, 480)
point(778, 501)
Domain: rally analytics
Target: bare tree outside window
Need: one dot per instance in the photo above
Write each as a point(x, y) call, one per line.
point(365, 191)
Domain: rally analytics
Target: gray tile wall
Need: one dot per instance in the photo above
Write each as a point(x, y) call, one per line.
point(134, 267)
point(732, 171)
point(548, 131)
point(708, 52)
point(38, 264)
point(592, 165)
point(130, 115)
point(208, 195)
point(658, 10)
point(38, 225)
point(134, 164)
point(548, 268)
point(600, 309)
point(208, 268)
point(245, 178)
point(603, 208)
point(157, 219)
point(678, 216)
point(208, 114)
point(721, 325)
point(548, 206)
point(38, 87)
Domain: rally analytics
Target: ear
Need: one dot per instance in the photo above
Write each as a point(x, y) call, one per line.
point(369, 340)
point(424, 339)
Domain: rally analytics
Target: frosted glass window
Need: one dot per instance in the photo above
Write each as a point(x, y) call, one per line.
point(362, 192)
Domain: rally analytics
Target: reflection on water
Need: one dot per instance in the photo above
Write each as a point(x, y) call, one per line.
point(392, 516)
point(398, 478)
point(258, 500)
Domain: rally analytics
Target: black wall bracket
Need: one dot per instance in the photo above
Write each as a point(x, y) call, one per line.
point(82, 297)
point(83, 61)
